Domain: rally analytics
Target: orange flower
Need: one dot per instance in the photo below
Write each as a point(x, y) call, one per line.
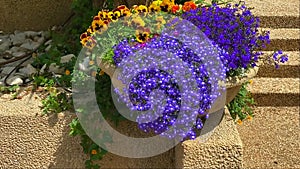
point(249, 117)
point(240, 122)
point(101, 73)
point(91, 62)
point(94, 152)
point(67, 72)
point(175, 8)
point(188, 6)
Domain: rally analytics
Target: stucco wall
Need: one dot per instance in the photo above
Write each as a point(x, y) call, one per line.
point(32, 14)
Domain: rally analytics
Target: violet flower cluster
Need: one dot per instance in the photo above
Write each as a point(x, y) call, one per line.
point(234, 29)
point(167, 116)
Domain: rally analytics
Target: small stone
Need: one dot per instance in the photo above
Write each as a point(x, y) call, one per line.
point(18, 54)
point(45, 34)
point(7, 70)
point(30, 45)
point(15, 49)
point(8, 52)
point(28, 70)
point(40, 40)
point(15, 80)
point(31, 34)
point(18, 39)
point(3, 38)
point(55, 69)
point(48, 48)
point(5, 46)
point(66, 58)
point(17, 32)
point(7, 56)
point(42, 70)
point(48, 42)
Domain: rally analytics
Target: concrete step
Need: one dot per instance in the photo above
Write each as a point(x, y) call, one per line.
point(276, 92)
point(271, 139)
point(28, 140)
point(284, 39)
point(276, 14)
point(290, 69)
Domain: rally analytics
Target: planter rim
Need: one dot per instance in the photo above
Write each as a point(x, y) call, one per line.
point(109, 69)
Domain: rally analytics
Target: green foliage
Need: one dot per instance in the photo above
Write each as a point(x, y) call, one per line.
point(240, 106)
point(55, 102)
point(9, 89)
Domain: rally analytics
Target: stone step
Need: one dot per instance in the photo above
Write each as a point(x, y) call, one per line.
point(276, 92)
point(275, 85)
point(290, 69)
point(28, 140)
point(271, 139)
point(276, 14)
point(284, 39)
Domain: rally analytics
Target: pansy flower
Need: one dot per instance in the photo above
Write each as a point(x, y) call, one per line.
point(114, 15)
point(167, 5)
point(99, 25)
point(159, 22)
point(142, 35)
point(142, 9)
point(137, 21)
point(89, 31)
point(155, 6)
point(103, 15)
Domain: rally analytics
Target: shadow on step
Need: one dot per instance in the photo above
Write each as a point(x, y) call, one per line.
point(284, 71)
point(279, 21)
point(277, 99)
point(283, 44)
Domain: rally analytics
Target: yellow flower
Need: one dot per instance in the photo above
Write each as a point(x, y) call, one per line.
point(250, 81)
point(167, 5)
point(114, 15)
point(155, 6)
point(141, 36)
point(240, 122)
point(101, 73)
point(103, 15)
point(67, 72)
point(138, 22)
point(142, 9)
point(249, 118)
point(91, 62)
point(94, 152)
point(99, 25)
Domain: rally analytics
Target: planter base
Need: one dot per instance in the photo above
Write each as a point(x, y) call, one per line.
point(223, 149)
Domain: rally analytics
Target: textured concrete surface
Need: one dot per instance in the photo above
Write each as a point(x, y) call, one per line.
point(33, 14)
point(222, 150)
point(271, 139)
point(284, 39)
point(276, 85)
point(275, 7)
point(276, 14)
point(28, 140)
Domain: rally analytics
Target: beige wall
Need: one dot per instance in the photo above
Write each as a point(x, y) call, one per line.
point(32, 14)
point(40, 14)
